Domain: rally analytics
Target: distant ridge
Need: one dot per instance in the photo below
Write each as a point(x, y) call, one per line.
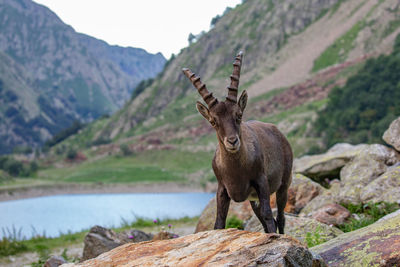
point(51, 75)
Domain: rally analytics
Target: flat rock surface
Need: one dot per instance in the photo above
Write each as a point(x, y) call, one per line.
point(228, 247)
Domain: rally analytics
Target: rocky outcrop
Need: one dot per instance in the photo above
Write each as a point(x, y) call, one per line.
point(299, 227)
point(375, 245)
point(328, 165)
point(392, 135)
point(229, 247)
point(362, 178)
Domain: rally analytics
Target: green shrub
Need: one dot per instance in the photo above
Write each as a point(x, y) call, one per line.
point(125, 150)
point(234, 222)
point(71, 154)
point(101, 141)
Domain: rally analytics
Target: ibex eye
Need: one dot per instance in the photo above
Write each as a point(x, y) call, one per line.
point(213, 123)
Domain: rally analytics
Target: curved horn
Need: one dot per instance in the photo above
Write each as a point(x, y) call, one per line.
point(233, 87)
point(201, 88)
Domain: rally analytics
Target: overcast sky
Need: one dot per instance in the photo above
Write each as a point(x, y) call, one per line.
point(155, 25)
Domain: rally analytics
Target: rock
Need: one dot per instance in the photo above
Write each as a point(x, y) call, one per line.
point(327, 197)
point(164, 235)
point(331, 214)
point(304, 190)
point(230, 247)
point(375, 245)
point(98, 241)
point(328, 165)
point(384, 188)
point(370, 163)
point(298, 227)
point(392, 135)
point(242, 211)
point(134, 236)
point(54, 261)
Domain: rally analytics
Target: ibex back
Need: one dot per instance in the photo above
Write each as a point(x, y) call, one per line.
point(252, 157)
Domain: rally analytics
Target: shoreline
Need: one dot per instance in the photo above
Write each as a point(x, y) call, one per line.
point(8, 194)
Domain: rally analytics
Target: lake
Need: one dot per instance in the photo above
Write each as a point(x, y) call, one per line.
point(53, 215)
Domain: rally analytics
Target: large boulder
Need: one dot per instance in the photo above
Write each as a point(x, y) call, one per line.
point(328, 165)
point(384, 188)
point(375, 245)
point(392, 135)
point(370, 163)
point(298, 227)
point(229, 247)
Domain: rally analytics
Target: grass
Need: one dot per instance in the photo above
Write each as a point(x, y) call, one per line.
point(368, 214)
point(338, 51)
point(43, 245)
point(315, 238)
point(148, 166)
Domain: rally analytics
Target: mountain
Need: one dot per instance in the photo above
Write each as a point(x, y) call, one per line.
point(295, 53)
point(51, 75)
point(284, 43)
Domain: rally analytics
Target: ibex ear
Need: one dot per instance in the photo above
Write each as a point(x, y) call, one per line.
point(203, 110)
point(243, 100)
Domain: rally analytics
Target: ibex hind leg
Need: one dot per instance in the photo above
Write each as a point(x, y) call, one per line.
point(281, 199)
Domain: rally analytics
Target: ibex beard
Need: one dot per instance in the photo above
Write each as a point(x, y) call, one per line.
point(252, 157)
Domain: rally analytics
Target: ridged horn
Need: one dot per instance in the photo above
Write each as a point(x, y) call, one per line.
point(234, 86)
point(201, 88)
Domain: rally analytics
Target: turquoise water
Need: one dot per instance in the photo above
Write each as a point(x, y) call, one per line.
point(54, 215)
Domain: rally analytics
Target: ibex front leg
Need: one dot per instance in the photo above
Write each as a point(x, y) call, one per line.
point(264, 210)
point(223, 201)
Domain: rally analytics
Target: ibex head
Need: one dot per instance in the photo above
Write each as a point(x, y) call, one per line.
point(225, 116)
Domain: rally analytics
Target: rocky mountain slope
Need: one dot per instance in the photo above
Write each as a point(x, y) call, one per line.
point(284, 43)
point(51, 75)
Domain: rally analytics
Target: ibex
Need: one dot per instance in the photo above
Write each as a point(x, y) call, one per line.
point(253, 159)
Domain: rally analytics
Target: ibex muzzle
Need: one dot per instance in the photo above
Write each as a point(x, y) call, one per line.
point(251, 156)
